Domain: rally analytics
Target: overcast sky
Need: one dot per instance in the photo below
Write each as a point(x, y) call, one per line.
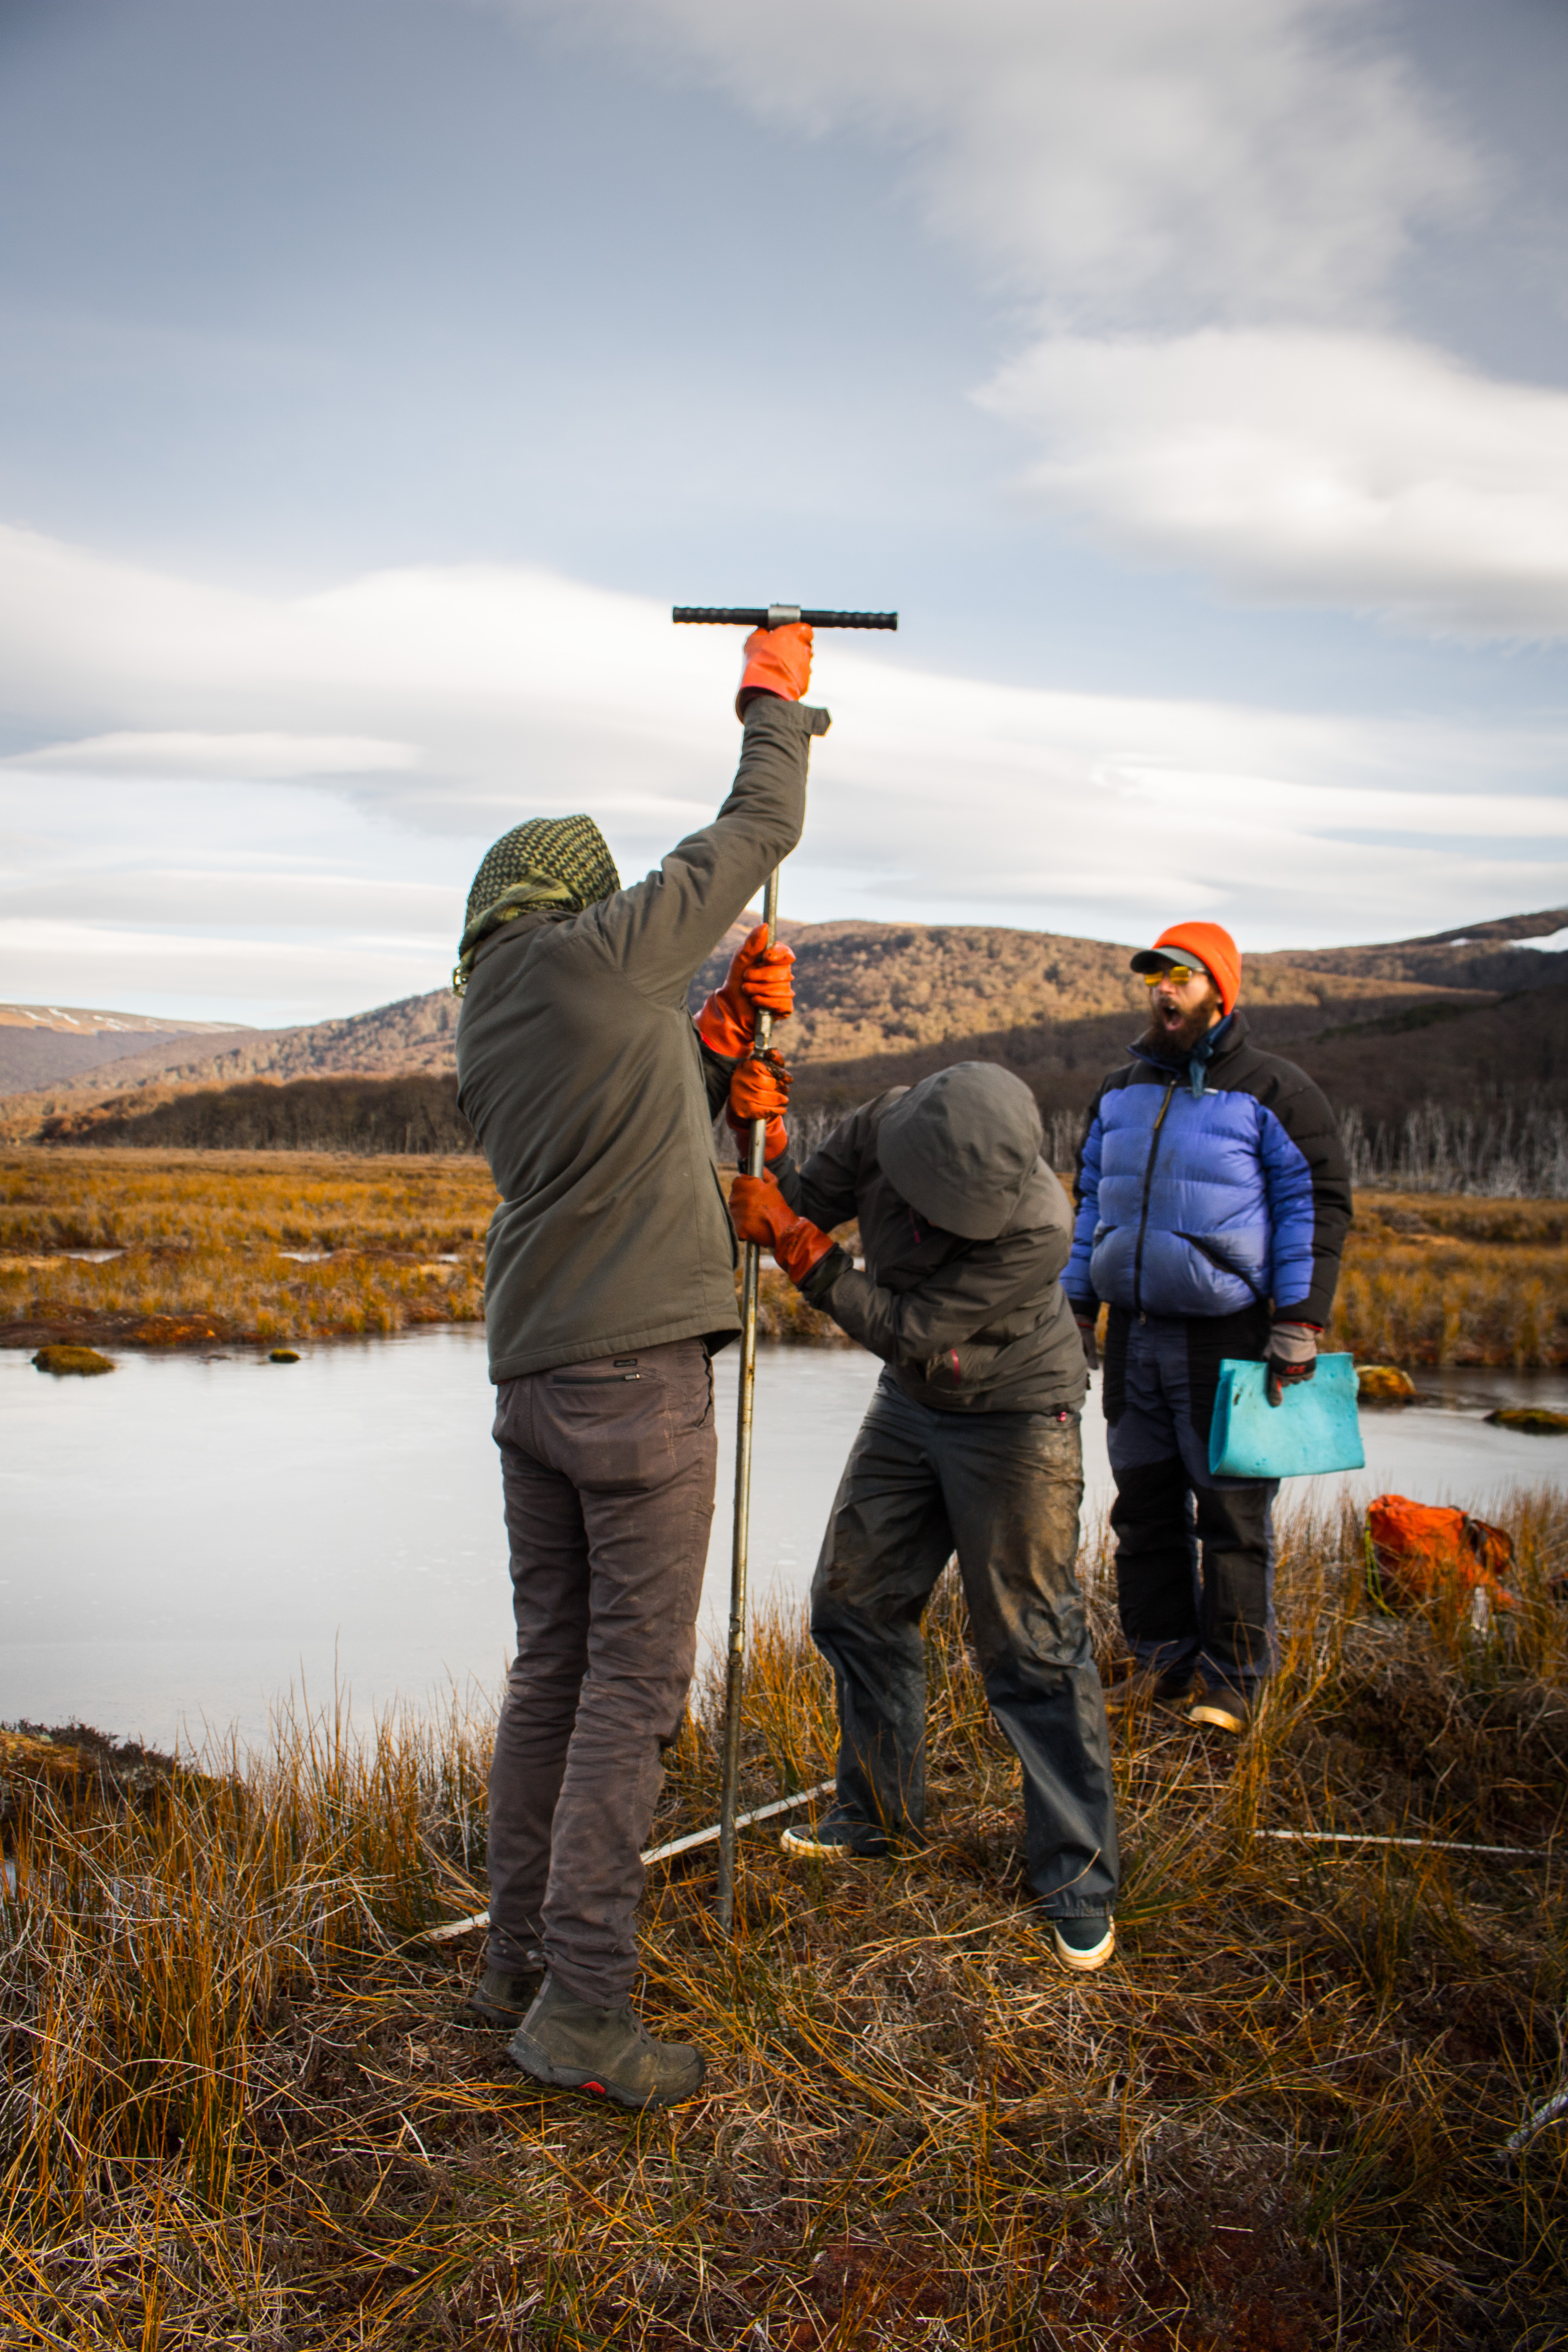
point(1192, 374)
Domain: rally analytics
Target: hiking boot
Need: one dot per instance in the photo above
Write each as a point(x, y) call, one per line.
point(1142, 1686)
point(1084, 1944)
point(1227, 1710)
point(609, 2052)
point(836, 1838)
point(503, 1997)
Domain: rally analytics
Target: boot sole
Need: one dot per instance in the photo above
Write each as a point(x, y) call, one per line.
point(1085, 1963)
point(808, 1849)
point(1220, 1718)
point(532, 2061)
point(1126, 1702)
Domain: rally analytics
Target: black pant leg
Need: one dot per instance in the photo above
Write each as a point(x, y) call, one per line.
point(887, 1541)
point(1156, 1557)
point(1237, 1531)
point(1012, 1483)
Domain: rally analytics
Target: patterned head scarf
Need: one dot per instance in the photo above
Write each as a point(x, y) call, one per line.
point(554, 864)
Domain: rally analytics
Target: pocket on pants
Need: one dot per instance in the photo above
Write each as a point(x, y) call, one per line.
point(609, 1431)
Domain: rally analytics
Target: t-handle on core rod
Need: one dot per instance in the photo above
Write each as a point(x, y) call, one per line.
point(774, 616)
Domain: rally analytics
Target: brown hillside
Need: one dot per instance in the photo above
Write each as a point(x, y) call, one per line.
point(882, 1003)
point(417, 1112)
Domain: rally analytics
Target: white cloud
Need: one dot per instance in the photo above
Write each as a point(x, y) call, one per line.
point(508, 692)
point(1352, 469)
point(266, 983)
point(1267, 155)
point(1216, 197)
point(416, 915)
point(259, 757)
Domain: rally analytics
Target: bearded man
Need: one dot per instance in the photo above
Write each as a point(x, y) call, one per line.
point(609, 1281)
point(1214, 1199)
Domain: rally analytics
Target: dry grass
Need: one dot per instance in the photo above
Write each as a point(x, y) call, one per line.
point(158, 1298)
point(1462, 1281)
point(53, 1200)
point(205, 1237)
point(237, 2110)
point(1427, 1281)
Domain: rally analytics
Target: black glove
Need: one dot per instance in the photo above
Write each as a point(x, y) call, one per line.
point(1292, 1356)
point(1085, 1324)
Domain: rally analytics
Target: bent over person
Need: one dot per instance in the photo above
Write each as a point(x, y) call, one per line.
point(1213, 1201)
point(971, 1444)
point(608, 1282)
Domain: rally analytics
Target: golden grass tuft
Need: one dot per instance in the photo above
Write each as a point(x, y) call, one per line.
point(237, 2108)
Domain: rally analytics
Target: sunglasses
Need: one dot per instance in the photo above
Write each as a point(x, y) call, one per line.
point(1179, 974)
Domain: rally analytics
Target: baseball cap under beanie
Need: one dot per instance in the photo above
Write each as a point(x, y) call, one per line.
point(1206, 943)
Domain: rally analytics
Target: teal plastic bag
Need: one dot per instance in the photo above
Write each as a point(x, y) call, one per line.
point(1314, 1427)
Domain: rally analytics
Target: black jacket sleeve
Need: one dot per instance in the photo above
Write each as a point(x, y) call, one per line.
point(1307, 1246)
point(826, 1188)
point(979, 1290)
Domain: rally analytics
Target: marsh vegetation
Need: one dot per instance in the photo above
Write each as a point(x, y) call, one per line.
point(237, 2106)
point(262, 1247)
point(283, 1246)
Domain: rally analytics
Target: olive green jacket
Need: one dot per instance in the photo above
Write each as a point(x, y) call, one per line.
point(581, 1073)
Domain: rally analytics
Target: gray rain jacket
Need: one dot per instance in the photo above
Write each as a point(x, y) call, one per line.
point(581, 1073)
point(963, 1253)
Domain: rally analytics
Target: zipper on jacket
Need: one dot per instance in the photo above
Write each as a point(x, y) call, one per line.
point(1148, 1187)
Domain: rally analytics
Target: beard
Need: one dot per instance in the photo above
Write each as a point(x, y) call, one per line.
point(1173, 1039)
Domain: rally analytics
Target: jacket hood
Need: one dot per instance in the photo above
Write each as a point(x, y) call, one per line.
point(961, 1146)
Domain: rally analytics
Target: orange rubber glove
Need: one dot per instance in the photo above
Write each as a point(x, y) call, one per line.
point(778, 661)
point(759, 981)
point(760, 1090)
point(759, 1212)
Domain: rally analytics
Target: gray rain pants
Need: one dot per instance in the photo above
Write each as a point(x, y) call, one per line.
point(608, 1471)
point(1003, 1489)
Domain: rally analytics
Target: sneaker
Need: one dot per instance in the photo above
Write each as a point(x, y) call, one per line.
point(609, 2052)
point(836, 1838)
point(503, 1997)
point(1084, 1944)
point(1227, 1710)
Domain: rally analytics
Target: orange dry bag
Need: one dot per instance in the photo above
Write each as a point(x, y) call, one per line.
point(1424, 1551)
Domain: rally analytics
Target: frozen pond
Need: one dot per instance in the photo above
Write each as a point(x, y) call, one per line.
point(190, 1536)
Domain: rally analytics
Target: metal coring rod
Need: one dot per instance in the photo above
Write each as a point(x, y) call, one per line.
point(752, 616)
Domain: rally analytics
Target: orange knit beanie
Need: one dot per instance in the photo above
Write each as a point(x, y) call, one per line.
point(1206, 943)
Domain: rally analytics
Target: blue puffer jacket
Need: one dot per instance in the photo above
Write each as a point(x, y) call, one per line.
point(1205, 1203)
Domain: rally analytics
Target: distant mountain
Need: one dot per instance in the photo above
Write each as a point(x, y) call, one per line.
point(52, 1044)
point(1475, 1012)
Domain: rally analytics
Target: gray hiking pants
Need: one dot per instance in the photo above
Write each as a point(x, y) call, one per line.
point(608, 1474)
point(1004, 1489)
